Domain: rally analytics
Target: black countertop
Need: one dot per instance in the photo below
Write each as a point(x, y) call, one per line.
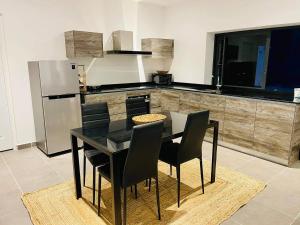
point(209, 89)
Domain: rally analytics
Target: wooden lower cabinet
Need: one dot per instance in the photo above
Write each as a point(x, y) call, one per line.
point(273, 128)
point(115, 102)
point(295, 142)
point(267, 129)
point(169, 100)
point(272, 142)
point(239, 121)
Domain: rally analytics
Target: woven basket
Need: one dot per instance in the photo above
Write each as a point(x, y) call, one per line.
point(148, 118)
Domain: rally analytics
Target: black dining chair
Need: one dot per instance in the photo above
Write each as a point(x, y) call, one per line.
point(140, 163)
point(136, 106)
point(93, 116)
point(189, 148)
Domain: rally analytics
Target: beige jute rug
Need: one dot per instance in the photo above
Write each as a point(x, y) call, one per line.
point(57, 205)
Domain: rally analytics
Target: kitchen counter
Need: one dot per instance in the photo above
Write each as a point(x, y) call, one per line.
point(209, 89)
point(261, 124)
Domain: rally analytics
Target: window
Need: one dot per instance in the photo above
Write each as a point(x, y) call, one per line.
point(266, 59)
point(241, 58)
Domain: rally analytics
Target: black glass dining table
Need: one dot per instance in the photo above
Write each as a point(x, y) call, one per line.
point(113, 139)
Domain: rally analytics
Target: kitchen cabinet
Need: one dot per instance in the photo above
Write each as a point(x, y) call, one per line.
point(263, 128)
point(295, 142)
point(239, 119)
point(83, 44)
point(159, 47)
point(273, 128)
point(170, 100)
point(155, 101)
point(115, 102)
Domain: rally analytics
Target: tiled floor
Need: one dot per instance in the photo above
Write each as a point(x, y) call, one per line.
point(28, 170)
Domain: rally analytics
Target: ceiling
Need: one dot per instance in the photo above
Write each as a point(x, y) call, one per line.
point(162, 2)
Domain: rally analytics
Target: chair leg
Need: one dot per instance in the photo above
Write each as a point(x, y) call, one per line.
point(84, 169)
point(170, 170)
point(178, 184)
point(149, 184)
point(135, 191)
point(131, 189)
point(94, 183)
point(99, 194)
point(201, 172)
point(124, 206)
point(157, 197)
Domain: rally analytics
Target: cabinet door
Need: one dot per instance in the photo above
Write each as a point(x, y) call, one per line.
point(115, 101)
point(83, 44)
point(275, 116)
point(216, 106)
point(189, 102)
point(169, 100)
point(239, 121)
point(273, 128)
point(295, 144)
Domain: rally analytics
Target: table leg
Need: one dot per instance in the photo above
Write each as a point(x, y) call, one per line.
point(116, 189)
point(76, 166)
point(214, 152)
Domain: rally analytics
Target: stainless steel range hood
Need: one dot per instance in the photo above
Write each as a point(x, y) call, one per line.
point(122, 42)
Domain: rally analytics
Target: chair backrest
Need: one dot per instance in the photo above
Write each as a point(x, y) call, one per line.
point(143, 153)
point(94, 115)
point(193, 135)
point(136, 106)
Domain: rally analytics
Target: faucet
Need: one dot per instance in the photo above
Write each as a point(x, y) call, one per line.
point(219, 85)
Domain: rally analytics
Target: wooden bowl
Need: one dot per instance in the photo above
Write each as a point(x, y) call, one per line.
point(162, 72)
point(148, 118)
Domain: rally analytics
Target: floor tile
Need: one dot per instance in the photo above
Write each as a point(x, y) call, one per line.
point(31, 170)
point(255, 213)
point(261, 169)
point(230, 222)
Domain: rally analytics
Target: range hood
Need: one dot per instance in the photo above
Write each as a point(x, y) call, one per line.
point(127, 52)
point(122, 42)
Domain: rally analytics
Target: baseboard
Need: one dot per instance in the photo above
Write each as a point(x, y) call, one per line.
point(28, 145)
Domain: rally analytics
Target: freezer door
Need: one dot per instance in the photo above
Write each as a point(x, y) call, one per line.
point(58, 77)
point(61, 115)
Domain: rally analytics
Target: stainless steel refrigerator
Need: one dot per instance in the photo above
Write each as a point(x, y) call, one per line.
point(56, 103)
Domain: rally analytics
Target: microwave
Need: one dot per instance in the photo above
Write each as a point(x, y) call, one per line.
point(162, 79)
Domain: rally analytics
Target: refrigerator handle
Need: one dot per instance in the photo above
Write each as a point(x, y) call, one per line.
point(61, 96)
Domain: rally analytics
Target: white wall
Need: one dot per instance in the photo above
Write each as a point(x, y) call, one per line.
point(192, 23)
point(34, 30)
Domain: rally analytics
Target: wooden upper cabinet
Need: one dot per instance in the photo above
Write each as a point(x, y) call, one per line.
point(159, 47)
point(83, 44)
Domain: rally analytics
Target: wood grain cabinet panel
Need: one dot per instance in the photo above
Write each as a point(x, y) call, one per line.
point(155, 110)
point(295, 143)
point(189, 102)
point(83, 44)
point(155, 99)
point(161, 48)
point(115, 101)
point(239, 121)
point(110, 98)
point(169, 100)
point(268, 129)
point(216, 106)
point(275, 116)
point(138, 93)
point(121, 116)
point(272, 142)
point(117, 108)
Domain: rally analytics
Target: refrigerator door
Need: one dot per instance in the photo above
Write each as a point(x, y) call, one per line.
point(58, 77)
point(61, 113)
